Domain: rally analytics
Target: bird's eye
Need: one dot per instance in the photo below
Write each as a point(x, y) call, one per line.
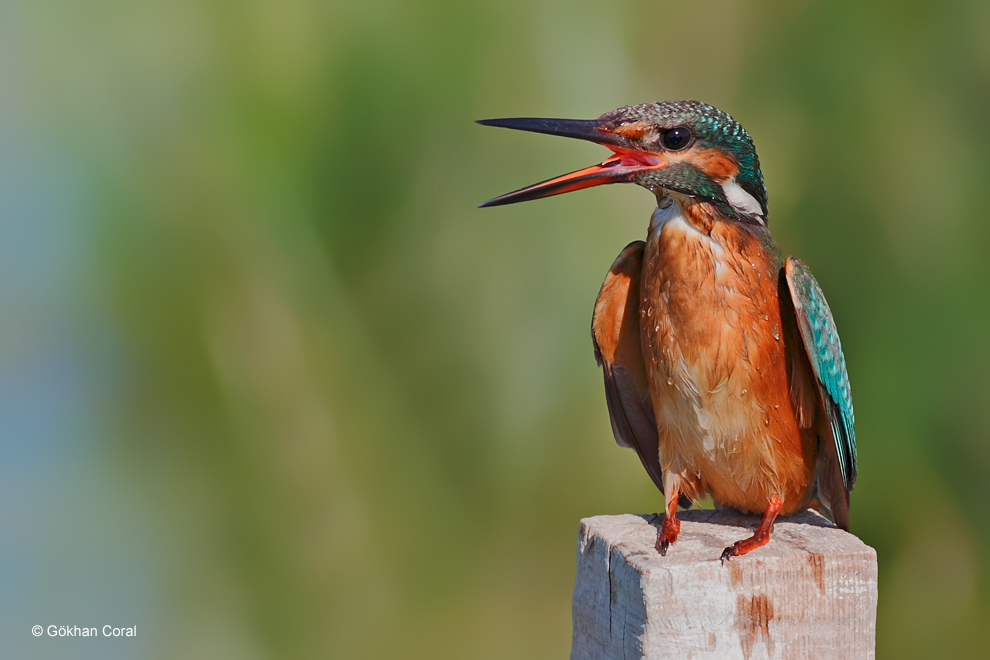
point(676, 138)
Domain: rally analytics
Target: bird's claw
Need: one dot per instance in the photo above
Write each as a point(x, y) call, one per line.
point(669, 529)
point(729, 553)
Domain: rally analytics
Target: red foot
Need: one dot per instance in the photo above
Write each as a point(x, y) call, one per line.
point(760, 537)
point(746, 545)
point(669, 529)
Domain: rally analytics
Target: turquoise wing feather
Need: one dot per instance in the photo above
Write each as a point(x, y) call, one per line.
point(821, 342)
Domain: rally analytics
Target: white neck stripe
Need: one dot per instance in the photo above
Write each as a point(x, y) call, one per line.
point(741, 200)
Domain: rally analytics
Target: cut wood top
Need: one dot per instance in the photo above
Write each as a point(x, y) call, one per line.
point(705, 533)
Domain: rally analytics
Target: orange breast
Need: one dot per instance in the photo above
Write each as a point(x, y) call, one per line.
point(716, 357)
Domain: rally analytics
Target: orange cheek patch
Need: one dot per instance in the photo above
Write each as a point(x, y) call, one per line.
point(718, 165)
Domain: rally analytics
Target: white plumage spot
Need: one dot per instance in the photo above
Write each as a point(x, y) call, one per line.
point(740, 199)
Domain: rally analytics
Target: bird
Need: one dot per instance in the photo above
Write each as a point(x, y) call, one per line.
point(722, 364)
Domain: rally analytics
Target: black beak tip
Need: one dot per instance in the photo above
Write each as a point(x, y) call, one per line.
point(491, 202)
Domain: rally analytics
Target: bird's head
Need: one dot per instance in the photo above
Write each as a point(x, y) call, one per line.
point(686, 147)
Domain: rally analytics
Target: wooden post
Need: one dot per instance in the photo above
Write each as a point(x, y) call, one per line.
point(810, 593)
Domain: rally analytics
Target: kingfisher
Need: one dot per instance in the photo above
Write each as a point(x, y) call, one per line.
point(723, 367)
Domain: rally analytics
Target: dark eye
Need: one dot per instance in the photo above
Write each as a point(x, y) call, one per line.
point(676, 138)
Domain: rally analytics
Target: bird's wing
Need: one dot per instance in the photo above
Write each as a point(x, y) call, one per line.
point(615, 333)
point(836, 465)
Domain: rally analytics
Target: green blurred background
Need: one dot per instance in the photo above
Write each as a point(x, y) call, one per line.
point(272, 387)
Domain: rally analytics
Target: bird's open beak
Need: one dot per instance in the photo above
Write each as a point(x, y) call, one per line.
point(622, 167)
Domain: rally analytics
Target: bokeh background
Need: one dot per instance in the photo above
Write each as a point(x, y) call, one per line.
point(272, 387)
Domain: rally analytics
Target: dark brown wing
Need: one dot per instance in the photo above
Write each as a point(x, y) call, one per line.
point(615, 333)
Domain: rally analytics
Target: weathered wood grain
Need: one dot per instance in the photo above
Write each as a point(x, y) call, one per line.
point(810, 593)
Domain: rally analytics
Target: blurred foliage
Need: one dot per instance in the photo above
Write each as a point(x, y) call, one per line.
point(359, 418)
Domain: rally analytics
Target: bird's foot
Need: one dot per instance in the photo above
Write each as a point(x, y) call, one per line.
point(669, 529)
point(746, 545)
point(760, 537)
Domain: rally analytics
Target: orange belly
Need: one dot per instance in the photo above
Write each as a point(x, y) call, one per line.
point(716, 358)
